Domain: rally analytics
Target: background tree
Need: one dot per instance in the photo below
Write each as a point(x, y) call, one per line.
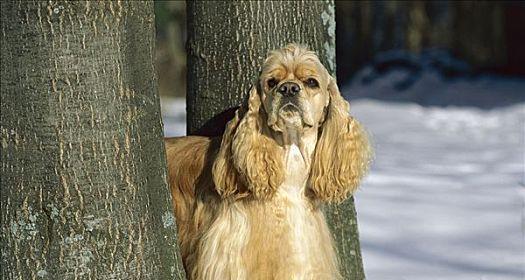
point(170, 21)
point(475, 31)
point(83, 192)
point(227, 42)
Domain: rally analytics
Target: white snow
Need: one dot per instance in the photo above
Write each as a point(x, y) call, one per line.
point(173, 116)
point(445, 196)
point(444, 199)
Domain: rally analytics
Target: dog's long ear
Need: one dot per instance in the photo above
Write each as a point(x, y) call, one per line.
point(249, 161)
point(225, 176)
point(342, 154)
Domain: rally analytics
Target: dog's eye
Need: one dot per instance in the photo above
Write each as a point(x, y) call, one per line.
point(272, 82)
point(313, 83)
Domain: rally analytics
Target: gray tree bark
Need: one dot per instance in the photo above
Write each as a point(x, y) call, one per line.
point(227, 42)
point(83, 191)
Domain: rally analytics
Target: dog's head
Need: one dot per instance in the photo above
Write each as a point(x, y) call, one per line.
point(294, 96)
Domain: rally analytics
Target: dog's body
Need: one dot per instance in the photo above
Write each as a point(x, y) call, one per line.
point(283, 237)
point(248, 204)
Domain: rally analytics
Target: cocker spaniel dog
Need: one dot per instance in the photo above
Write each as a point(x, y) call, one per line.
point(248, 204)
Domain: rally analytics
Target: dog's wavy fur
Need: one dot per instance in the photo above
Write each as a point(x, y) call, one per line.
point(241, 210)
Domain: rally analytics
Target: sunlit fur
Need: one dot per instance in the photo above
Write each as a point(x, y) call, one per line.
point(248, 204)
point(342, 155)
point(248, 160)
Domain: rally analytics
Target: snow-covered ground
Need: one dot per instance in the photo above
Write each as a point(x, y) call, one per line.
point(445, 196)
point(444, 199)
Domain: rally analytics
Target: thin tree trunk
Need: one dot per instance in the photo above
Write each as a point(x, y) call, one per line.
point(228, 41)
point(83, 192)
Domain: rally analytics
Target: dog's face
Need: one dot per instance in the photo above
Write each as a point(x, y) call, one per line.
point(294, 90)
point(297, 97)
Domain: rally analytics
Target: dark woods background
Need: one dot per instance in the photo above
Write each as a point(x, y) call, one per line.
point(488, 35)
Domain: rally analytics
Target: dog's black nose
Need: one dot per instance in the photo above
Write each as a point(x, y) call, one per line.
point(289, 89)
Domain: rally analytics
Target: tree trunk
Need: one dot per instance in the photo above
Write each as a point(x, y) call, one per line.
point(84, 192)
point(227, 42)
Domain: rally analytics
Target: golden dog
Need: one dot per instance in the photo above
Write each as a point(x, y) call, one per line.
point(248, 204)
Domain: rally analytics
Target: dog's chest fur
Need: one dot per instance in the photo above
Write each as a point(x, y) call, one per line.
point(283, 238)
